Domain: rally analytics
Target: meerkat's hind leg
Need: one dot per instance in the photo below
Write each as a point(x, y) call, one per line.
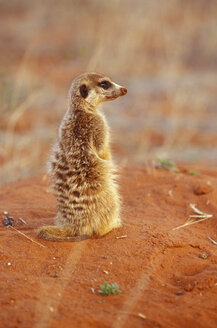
point(59, 233)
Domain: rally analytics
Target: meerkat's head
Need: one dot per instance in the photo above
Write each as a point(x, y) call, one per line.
point(96, 88)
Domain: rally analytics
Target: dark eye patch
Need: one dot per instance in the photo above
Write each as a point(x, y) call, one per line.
point(105, 85)
point(84, 90)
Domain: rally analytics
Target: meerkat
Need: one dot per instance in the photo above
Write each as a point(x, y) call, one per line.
point(81, 167)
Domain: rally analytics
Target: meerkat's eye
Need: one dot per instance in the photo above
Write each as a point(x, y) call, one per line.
point(105, 85)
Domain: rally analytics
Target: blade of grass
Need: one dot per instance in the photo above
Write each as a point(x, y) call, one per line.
point(23, 234)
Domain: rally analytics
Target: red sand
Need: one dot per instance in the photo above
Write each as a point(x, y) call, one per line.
point(51, 287)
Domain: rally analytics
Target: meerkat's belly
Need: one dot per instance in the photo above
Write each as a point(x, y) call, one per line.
point(86, 196)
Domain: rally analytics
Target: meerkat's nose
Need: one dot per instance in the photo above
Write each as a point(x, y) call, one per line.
point(124, 91)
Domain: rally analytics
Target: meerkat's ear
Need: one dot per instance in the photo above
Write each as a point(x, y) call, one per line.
point(84, 90)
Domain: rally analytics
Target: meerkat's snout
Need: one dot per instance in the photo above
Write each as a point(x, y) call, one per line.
point(124, 91)
point(118, 90)
point(114, 91)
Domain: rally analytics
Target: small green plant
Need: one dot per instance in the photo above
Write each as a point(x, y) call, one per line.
point(107, 289)
point(167, 164)
point(192, 172)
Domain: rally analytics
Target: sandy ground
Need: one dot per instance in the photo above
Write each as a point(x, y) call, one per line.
point(167, 276)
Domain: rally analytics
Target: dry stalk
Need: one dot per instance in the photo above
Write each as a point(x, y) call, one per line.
point(120, 237)
point(212, 241)
point(200, 215)
point(193, 206)
point(23, 234)
point(20, 110)
point(22, 220)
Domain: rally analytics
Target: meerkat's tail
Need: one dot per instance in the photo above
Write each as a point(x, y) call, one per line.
point(59, 233)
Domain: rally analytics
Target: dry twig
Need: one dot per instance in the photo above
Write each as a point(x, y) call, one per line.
point(142, 316)
point(120, 237)
point(199, 215)
point(212, 241)
point(22, 220)
point(23, 234)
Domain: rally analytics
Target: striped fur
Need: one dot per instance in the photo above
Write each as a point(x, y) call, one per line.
point(81, 167)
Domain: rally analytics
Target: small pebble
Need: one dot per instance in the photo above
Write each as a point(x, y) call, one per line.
point(9, 263)
point(189, 287)
point(203, 189)
point(179, 293)
point(8, 221)
point(51, 309)
point(5, 213)
point(92, 290)
point(203, 255)
point(106, 272)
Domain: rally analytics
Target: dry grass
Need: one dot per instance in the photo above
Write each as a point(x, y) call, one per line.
point(165, 54)
point(193, 219)
point(212, 241)
point(27, 237)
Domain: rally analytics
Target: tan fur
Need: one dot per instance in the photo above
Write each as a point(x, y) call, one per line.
point(81, 167)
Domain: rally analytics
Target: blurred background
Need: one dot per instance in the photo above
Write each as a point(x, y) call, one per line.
point(164, 52)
